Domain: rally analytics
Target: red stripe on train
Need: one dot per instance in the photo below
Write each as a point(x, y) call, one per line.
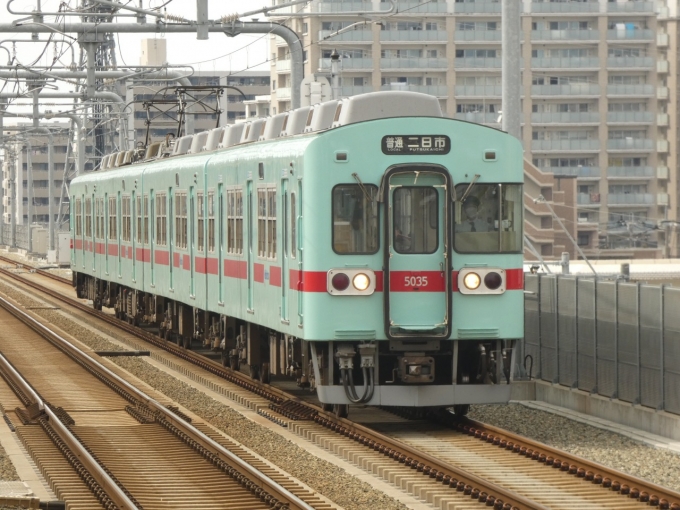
point(417, 281)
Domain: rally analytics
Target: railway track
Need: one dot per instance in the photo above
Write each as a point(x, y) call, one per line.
point(126, 450)
point(442, 461)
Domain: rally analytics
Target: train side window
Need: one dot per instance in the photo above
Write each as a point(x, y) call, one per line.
point(146, 219)
point(355, 219)
point(113, 219)
point(211, 221)
point(201, 221)
point(235, 221)
point(181, 219)
point(127, 220)
point(88, 217)
point(293, 225)
point(98, 218)
point(161, 219)
point(79, 218)
point(140, 218)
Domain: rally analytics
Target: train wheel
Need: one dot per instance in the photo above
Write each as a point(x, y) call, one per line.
point(178, 340)
point(254, 372)
point(265, 376)
point(341, 410)
point(187, 343)
point(224, 359)
point(461, 409)
point(233, 363)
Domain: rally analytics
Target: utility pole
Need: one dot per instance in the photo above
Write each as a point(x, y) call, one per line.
point(510, 70)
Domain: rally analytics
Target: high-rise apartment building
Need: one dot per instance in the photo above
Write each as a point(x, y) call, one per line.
point(599, 92)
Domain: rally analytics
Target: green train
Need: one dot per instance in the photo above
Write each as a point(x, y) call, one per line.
point(367, 247)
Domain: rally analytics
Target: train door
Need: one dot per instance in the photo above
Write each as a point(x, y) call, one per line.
point(118, 208)
point(190, 243)
point(152, 236)
point(417, 254)
point(297, 235)
point(171, 239)
point(221, 227)
point(107, 234)
point(134, 231)
point(284, 250)
point(93, 244)
point(251, 239)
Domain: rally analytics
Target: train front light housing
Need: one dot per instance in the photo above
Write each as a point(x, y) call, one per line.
point(361, 281)
point(472, 281)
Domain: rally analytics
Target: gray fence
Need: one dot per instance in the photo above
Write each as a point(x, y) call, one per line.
point(22, 232)
point(617, 339)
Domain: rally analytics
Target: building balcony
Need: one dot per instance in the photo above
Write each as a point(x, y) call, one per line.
point(283, 94)
point(585, 224)
point(582, 172)
point(565, 118)
point(641, 90)
point(478, 117)
point(662, 66)
point(353, 90)
point(415, 6)
point(630, 6)
point(662, 40)
point(630, 144)
point(565, 145)
point(564, 7)
point(348, 63)
point(477, 8)
point(630, 172)
point(477, 63)
point(412, 36)
point(412, 64)
point(340, 6)
point(633, 34)
point(626, 199)
point(349, 36)
point(565, 35)
point(478, 91)
point(283, 66)
point(628, 62)
point(573, 89)
point(565, 63)
point(592, 199)
point(477, 36)
point(433, 90)
point(630, 117)
point(662, 173)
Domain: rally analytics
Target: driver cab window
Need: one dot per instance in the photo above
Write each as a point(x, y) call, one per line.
point(355, 219)
point(488, 218)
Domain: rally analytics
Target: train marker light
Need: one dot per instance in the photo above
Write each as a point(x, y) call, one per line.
point(493, 280)
point(340, 281)
point(472, 281)
point(361, 281)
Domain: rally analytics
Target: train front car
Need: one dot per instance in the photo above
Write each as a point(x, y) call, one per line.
point(414, 295)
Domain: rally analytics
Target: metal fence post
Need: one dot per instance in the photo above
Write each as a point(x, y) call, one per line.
point(662, 372)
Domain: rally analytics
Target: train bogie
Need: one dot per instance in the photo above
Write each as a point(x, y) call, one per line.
point(348, 258)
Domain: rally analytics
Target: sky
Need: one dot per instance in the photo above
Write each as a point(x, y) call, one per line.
point(218, 53)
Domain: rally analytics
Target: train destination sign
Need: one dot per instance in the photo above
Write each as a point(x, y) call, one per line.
point(415, 144)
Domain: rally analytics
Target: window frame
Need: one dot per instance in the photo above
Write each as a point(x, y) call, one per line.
point(332, 218)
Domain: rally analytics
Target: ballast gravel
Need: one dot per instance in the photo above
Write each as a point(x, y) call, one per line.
point(656, 465)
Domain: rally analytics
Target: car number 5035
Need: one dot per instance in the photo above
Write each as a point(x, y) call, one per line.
point(415, 281)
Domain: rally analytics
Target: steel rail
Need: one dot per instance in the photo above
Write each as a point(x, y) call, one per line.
point(262, 480)
point(113, 491)
point(618, 481)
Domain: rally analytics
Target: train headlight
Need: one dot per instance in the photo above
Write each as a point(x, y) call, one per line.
point(472, 281)
point(361, 281)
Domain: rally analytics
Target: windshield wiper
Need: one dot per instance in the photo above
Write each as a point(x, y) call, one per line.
point(363, 188)
point(469, 188)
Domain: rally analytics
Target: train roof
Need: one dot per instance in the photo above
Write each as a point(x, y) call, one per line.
point(308, 119)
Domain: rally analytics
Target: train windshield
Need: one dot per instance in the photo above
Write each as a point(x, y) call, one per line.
point(488, 218)
point(355, 219)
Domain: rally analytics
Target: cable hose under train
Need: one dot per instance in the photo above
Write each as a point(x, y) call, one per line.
point(350, 390)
